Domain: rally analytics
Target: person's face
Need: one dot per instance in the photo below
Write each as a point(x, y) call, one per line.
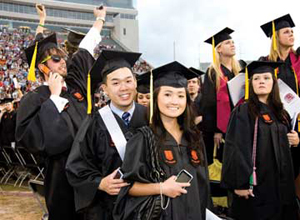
point(56, 66)
point(8, 106)
point(262, 84)
point(227, 48)
point(286, 37)
point(171, 101)
point(121, 88)
point(143, 98)
point(193, 85)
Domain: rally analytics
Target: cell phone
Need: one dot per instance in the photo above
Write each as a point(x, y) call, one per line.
point(100, 7)
point(184, 177)
point(119, 174)
point(40, 7)
point(44, 69)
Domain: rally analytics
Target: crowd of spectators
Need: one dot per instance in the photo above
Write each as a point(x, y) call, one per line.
point(14, 68)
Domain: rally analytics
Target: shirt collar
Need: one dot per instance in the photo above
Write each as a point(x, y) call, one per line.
point(120, 112)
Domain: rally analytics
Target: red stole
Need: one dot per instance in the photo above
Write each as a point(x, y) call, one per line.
point(296, 65)
point(223, 105)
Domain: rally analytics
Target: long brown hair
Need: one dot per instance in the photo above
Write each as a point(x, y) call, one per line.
point(274, 54)
point(274, 101)
point(186, 122)
point(216, 68)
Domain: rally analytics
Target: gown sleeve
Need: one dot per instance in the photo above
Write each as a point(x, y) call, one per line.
point(81, 64)
point(237, 156)
point(40, 127)
point(208, 104)
point(82, 168)
point(136, 168)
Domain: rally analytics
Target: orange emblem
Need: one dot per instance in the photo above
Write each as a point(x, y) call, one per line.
point(195, 158)
point(267, 118)
point(78, 96)
point(169, 156)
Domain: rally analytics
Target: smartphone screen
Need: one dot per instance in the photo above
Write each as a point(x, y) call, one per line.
point(119, 175)
point(184, 177)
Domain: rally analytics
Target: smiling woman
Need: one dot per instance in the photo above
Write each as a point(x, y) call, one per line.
point(177, 144)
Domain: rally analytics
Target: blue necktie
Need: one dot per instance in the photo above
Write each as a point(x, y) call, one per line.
point(125, 118)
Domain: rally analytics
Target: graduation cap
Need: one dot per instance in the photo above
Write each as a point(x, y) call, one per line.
point(172, 74)
point(199, 72)
point(35, 51)
point(74, 37)
point(218, 38)
point(257, 67)
point(6, 100)
point(142, 86)
point(107, 62)
point(271, 27)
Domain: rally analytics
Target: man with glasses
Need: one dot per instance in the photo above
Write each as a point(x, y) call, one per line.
point(49, 117)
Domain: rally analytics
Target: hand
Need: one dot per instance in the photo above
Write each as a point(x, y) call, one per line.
point(100, 12)
point(293, 138)
point(218, 139)
point(198, 119)
point(244, 193)
point(172, 189)
point(55, 83)
point(110, 185)
point(41, 13)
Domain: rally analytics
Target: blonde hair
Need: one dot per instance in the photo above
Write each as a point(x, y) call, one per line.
point(274, 54)
point(216, 67)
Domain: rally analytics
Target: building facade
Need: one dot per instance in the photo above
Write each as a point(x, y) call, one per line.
point(121, 22)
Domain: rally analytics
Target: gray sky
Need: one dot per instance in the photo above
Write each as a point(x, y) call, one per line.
point(189, 22)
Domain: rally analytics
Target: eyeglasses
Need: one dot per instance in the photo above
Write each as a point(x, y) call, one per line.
point(55, 58)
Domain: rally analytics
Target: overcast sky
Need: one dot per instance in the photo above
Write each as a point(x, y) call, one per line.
point(189, 22)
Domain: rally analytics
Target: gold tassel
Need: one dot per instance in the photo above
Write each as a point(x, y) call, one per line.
point(298, 119)
point(276, 72)
point(31, 74)
point(214, 51)
point(296, 81)
point(274, 36)
point(89, 98)
point(151, 97)
point(246, 84)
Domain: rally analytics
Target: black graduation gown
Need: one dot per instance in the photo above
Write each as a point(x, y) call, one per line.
point(92, 158)
point(275, 191)
point(136, 168)
point(7, 128)
point(44, 131)
point(208, 108)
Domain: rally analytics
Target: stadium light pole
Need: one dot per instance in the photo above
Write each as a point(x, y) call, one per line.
point(174, 50)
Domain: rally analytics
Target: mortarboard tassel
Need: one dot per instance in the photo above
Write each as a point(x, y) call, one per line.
point(31, 74)
point(246, 84)
point(151, 97)
point(214, 51)
point(276, 72)
point(89, 98)
point(274, 36)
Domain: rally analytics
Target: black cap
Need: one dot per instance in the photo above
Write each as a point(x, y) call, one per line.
point(257, 67)
point(172, 74)
point(220, 36)
point(43, 45)
point(142, 85)
point(282, 22)
point(74, 37)
point(109, 61)
point(6, 100)
point(199, 72)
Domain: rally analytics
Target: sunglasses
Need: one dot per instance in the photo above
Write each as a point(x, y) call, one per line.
point(55, 58)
